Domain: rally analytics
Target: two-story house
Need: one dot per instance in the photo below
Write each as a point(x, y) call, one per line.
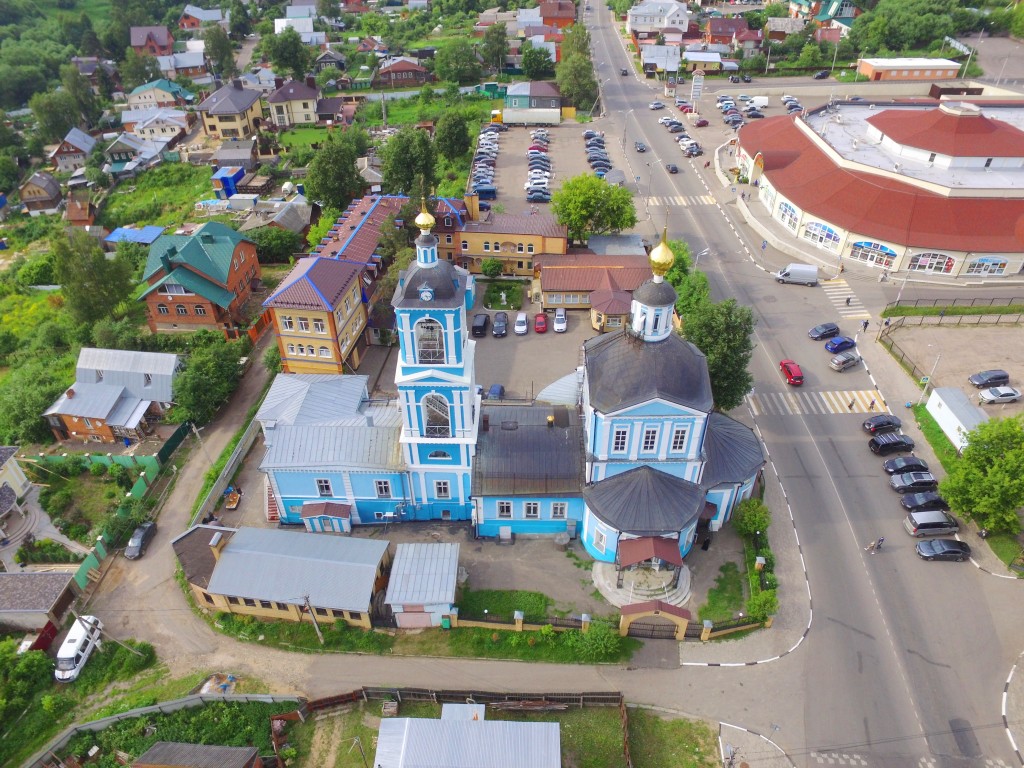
point(329, 59)
point(190, 64)
point(232, 112)
point(647, 19)
point(514, 239)
point(118, 394)
point(193, 17)
point(128, 155)
point(401, 72)
point(294, 103)
point(558, 13)
point(41, 194)
point(319, 316)
point(73, 151)
point(159, 93)
point(202, 280)
point(723, 31)
point(157, 123)
point(14, 485)
point(156, 41)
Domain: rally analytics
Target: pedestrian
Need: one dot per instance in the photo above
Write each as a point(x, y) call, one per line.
point(871, 406)
point(847, 301)
point(887, 321)
point(878, 544)
point(842, 268)
point(707, 164)
point(864, 325)
point(850, 406)
point(870, 547)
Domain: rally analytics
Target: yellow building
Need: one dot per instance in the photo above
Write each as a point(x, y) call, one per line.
point(294, 103)
point(319, 316)
point(514, 239)
point(232, 112)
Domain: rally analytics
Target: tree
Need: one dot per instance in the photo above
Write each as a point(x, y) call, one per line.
point(55, 112)
point(91, 283)
point(537, 64)
point(723, 333)
point(210, 376)
point(576, 42)
point(902, 25)
point(575, 78)
point(138, 69)
point(409, 163)
point(327, 9)
point(494, 47)
point(78, 87)
point(28, 390)
point(456, 61)
point(492, 267)
point(588, 205)
point(332, 178)
point(9, 173)
point(751, 517)
point(219, 51)
point(288, 53)
point(987, 484)
point(451, 137)
point(328, 216)
point(275, 245)
point(810, 56)
point(240, 24)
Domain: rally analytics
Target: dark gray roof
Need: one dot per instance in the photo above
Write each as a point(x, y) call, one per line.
point(732, 452)
point(21, 592)
point(623, 370)
point(229, 100)
point(645, 502)
point(7, 498)
point(173, 753)
point(656, 294)
point(443, 278)
point(6, 451)
point(193, 551)
point(520, 454)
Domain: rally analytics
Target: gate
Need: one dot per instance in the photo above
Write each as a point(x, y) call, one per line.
point(655, 629)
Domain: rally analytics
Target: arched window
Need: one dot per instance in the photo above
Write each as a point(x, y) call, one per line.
point(200, 309)
point(181, 309)
point(301, 349)
point(436, 418)
point(429, 342)
point(938, 263)
point(787, 215)
point(873, 253)
point(465, 245)
point(325, 352)
point(529, 247)
point(440, 456)
point(487, 247)
point(496, 246)
point(291, 349)
point(821, 234)
point(519, 248)
point(161, 309)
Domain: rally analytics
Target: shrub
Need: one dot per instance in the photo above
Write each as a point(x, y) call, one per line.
point(72, 466)
point(769, 559)
point(771, 581)
point(762, 605)
point(751, 516)
point(119, 474)
point(491, 267)
point(599, 643)
point(57, 502)
point(98, 469)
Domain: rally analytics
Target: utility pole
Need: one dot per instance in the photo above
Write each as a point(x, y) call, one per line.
point(90, 625)
point(357, 742)
point(312, 615)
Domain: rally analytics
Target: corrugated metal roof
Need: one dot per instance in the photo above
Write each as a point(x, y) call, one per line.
point(129, 369)
point(31, 591)
point(315, 283)
point(311, 398)
point(405, 742)
point(617, 245)
point(334, 572)
point(520, 454)
point(563, 391)
point(302, 447)
point(633, 551)
point(89, 401)
point(543, 224)
point(229, 100)
point(194, 283)
point(732, 451)
point(623, 370)
point(172, 753)
point(592, 278)
point(645, 502)
point(423, 574)
point(209, 251)
point(145, 235)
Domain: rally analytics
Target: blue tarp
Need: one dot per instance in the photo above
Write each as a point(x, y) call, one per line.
point(144, 235)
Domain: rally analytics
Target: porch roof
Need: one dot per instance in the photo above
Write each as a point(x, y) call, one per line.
point(633, 551)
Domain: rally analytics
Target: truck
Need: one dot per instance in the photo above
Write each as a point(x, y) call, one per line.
point(759, 101)
point(801, 274)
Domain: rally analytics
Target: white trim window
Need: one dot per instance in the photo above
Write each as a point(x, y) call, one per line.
point(650, 439)
point(600, 541)
point(787, 215)
point(505, 510)
point(532, 510)
point(323, 487)
point(442, 489)
point(383, 488)
point(679, 439)
point(619, 439)
point(822, 234)
point(559, 510)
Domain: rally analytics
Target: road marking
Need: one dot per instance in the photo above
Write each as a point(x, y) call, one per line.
point(838, 291)
point(838, 758)
point(682, 200)
point(815, 403)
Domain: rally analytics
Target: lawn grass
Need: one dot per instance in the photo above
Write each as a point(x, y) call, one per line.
point(1005, 546)
point(301, 636)
point(163, 196)
point(944, 450)
point(502, 604)
point(303, 137)
point(725, 599)
point(946, 310)
point(23, 313)
point(656, 741)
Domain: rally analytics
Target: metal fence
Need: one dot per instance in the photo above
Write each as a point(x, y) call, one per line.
point(585, 699)
point(244, 444)
point(173, 442)
point(991, 302)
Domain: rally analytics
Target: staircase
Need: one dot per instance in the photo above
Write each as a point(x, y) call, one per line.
point(270, 503)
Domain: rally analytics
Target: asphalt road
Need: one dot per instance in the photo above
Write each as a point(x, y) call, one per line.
point(905, 660)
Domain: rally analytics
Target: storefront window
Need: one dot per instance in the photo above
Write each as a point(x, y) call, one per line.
point(990, 266)
point(873, 253)
point(787, 215)
point(938, 263)
point(824, 236)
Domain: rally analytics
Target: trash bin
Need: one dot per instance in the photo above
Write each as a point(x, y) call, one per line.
point(446, 623)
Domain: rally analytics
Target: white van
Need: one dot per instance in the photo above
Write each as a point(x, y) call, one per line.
point(83, 636)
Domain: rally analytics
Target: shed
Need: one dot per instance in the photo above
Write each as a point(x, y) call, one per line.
point(422, 586)
point(955, 413)
point(31, 601)
point(407, 742)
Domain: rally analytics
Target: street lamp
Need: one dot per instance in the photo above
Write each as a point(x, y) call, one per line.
point(931, 375)
point(625, 127)
point(696, 259)
point(768, 65)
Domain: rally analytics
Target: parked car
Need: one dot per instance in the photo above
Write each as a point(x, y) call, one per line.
point(883, 422)
point(496, 392)
point(672, 168)
point(943, 549)
point(686, 109)
point(140, 540)
point(499, 327)
point(540, 322)
point(624, 72)
point(823, 331)
point(755, 115)
point(701, 123)
point(677, 128)
point(839, 343)
point(640, 146)
point(891, 442)
point(693, 151)
point(655, 105)
point(792, 372)
point(904, 464)
point(522, 325)
point(989, 379)
point(561, 324)
point(746, 78)
point(999, 395)
point(913, 482)
point(821, 74)
point(915, 502)
point(844, 360)
point(538, 197)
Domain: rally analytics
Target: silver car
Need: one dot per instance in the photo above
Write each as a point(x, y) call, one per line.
point(844, 360)
point(997, 395)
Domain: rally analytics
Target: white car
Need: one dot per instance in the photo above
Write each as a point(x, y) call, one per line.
point(561, 324)
point(538, 175)
point(536, 184)
point(522, 325)
point(997, 395)
point(655, 105)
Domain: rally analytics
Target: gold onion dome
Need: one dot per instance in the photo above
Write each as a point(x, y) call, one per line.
point(661, 256)
point(424, 221)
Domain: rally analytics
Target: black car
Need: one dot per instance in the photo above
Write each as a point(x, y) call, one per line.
point(139, 541)
point(640, 146)
point(694, 152)
point(883, 422)
point(821, 75)
point(754, 115)
point(500, 325)
point(890, 442)
point(672, 168)
point(988, 379)
point(734, 78)
point(944, 549)
point(916, 502)
point(904, 464)
point(624, 72)
point(538, 197)
point(823, 331)
point(745, 78)
point(913, 482)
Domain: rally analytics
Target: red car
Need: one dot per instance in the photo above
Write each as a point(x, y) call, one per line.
point(540, 323)
point(686, 109)
point(537, 148)
point(792, 372)
point(702, 123)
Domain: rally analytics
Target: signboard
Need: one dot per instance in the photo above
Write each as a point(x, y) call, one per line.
point(696, 85)
point(956, 44)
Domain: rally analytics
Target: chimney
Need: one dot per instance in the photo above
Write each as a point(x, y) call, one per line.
point(70, 393)
point(236, 84)
point(165, 262)
point(217, 544)
point(472, 206)
point(311, 81)
point(278, 82)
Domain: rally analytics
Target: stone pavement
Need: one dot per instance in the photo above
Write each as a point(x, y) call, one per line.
point(37, 523)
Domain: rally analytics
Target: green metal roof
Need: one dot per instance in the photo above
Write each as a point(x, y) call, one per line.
point(208, 251)
point(166, 85)
point(196, 284)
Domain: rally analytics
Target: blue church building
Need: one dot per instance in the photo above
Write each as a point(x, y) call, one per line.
point(630, 456)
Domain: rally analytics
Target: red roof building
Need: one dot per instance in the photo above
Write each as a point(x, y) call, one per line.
point(724, 31)
point(156, 41)
point(558, 13)
point(401, 72)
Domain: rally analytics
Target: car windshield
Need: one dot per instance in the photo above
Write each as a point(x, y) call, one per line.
point(66, 665)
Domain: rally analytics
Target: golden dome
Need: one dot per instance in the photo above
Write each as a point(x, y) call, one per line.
point(661, 256)
point(424, 221)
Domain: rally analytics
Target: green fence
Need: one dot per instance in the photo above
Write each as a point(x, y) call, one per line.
point(92, 561)
point(173, 442)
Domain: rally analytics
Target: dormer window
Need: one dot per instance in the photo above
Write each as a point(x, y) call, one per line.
point(147, 379)
point(99, 376)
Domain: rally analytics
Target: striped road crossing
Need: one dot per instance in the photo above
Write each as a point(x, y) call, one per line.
point(794, 403)
point(838, 291)
point(682, 200)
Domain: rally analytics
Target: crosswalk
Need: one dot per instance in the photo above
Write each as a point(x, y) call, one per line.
point(801, 403)
point(838, 291)
point(682, 200)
